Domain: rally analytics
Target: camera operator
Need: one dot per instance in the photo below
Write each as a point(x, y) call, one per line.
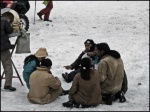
point(6, 29)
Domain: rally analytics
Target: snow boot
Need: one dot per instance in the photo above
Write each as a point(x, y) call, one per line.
point(68, 104)
point(40, 15)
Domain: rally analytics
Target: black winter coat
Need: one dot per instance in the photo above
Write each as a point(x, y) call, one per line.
point(6, 29)
point(76, 64)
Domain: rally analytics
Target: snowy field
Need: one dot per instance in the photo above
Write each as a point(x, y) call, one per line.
point(124, 25)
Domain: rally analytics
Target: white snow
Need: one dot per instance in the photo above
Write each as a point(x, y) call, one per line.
point(124, 25)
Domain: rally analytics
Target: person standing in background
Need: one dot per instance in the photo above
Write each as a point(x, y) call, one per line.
point(46, 11)
point(6, 29)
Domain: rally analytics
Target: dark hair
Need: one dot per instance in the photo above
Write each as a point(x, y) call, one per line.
point(103, 46)
point(90, 41)
point(46, 62)
point(85, 68)
point(31, 58)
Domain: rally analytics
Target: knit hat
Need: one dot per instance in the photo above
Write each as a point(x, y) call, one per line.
point(46, 62)
point(103, 46)
point(41, 53)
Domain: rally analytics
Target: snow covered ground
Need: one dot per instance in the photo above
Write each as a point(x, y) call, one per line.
point(124, 25)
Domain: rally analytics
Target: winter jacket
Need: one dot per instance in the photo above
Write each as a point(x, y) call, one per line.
point(29, 66)
point(76, 64)
point(44, 87)
point(86, 92)
point(6, 29)
point(111, 71)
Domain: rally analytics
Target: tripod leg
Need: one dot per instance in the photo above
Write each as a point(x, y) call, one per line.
point(14, 64)
point(17, 74)
point(13, 47)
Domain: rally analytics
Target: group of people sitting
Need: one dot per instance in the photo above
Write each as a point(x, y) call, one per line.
point(98, 74)
point(98, 77)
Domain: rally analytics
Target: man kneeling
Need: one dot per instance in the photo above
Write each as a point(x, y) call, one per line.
point(44, 87)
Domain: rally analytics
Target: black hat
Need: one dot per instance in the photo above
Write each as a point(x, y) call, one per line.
point(86, 63)
point(46, 62)
point(89, 41)
point(103, 46)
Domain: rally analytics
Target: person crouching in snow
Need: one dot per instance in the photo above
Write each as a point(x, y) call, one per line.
point(85, 89)
point(111, 72)
point(31, 62)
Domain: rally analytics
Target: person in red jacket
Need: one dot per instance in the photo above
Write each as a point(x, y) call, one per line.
point(46, 11)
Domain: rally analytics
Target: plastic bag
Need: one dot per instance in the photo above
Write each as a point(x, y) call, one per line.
point(23, 42)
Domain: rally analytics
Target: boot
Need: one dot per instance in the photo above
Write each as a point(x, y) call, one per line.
point(47, 20)
point(40, 15)
point(65, 76)
point(68, 104)
point(10, 88)
point(108, 99)
point(76, 105)
point(71, 103)
point(122, 97)
point(86, 106)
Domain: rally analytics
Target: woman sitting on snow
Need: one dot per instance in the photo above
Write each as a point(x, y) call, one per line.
point(85, 89)
point(31, 62)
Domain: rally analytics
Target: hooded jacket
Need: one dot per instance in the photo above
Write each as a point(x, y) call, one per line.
point(111, 71)
point(30, 64)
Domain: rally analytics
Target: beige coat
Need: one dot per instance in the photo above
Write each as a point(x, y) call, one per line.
point(111, 74)
point(44, 87)
point(86, 92)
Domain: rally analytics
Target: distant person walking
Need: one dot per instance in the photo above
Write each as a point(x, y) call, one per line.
point(46, 11)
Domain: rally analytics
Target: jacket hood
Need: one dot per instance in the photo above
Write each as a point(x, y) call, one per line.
point(31, 58)
point(112, 53)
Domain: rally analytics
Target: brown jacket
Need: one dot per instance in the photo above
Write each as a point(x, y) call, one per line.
point(86, 92)
point(44, 87)
point(111, 71)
